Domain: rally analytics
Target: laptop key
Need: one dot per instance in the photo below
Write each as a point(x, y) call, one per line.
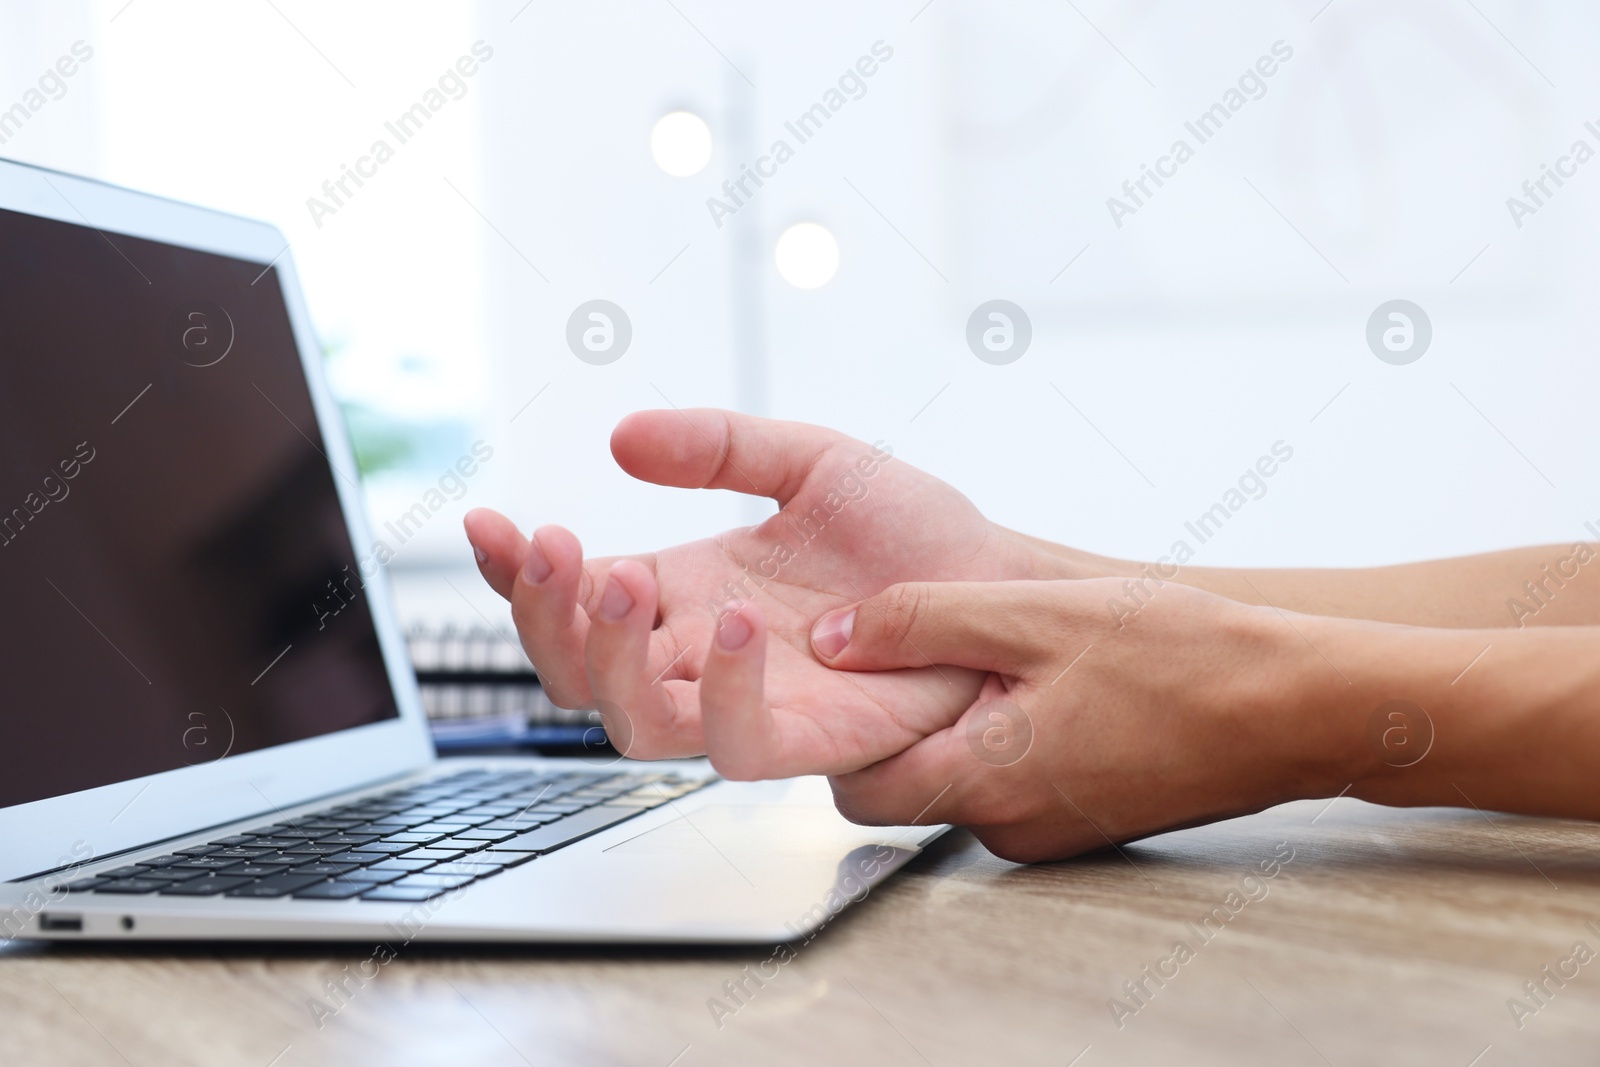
point(197, 850)
point(338, 889)
point(346, 839)
point(278, 859)
point(82, 885)
point(520, 826)
point(429, 880)
point(437, 855)
point(462, 844)
point(434, 812)
point(395, 893)
point(322, 870)
point(132, 885)
point(206, 863)
point(465, 867)
point(315, 848)
point(399, 863)
point(203, 887)
point(279, 885)
point(445, 828)
point(483, 834)
point(171, 874)
point(241, 853)
point(251, 870)
point(414, 838)
point(504, 859)
point(388, 848)
point(370, 876)
point(565, 832)
point(480, 815)
point(123, 872)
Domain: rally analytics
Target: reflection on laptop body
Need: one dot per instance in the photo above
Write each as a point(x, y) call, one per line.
point(194, 750)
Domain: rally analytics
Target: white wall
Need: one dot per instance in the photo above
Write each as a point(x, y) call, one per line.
point(1203, 330)
point(1194, 337)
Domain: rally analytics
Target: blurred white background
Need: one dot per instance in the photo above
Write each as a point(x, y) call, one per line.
point(1228, 313)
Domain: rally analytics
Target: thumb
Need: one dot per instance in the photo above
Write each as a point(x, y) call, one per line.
point(989, 626)
point(703, 448)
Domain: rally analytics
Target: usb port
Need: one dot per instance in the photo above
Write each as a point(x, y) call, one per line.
point(56, 921)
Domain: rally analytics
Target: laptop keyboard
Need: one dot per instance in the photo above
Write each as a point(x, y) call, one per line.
point(408, 844)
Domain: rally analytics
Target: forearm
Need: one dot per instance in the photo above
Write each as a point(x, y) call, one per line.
point(1508, 720)
point(1548, 585)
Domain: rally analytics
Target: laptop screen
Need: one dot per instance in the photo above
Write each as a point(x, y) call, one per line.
point(176, 576)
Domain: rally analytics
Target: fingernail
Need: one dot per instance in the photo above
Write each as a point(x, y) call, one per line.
point(734, 632)
point(535, 568)
point(483, 557)
point(832, 632)
point(615, 602)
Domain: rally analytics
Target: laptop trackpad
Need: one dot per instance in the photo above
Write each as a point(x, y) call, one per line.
point(735, 830)
point(741, 861)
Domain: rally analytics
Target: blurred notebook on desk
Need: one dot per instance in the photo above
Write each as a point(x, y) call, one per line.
point(480, 692)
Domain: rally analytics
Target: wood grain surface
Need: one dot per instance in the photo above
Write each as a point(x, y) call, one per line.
point(1386, 936)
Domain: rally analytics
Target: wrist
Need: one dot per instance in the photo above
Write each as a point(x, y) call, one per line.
point(1298, 716)
point(1348, 707)
point(1035, 559)
point(1371, 704)
point(1425, 716)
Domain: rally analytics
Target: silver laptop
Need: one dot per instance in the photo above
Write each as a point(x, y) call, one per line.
point(195, 744)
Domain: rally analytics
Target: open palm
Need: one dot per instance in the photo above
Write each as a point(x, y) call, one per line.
point(632, 635)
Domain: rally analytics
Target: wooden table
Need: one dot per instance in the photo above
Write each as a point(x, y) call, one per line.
point(1388, 937)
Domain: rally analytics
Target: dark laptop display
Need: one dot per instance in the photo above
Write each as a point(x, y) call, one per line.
point(172, 548)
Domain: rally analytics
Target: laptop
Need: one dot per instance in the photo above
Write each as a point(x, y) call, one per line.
point(196, 746)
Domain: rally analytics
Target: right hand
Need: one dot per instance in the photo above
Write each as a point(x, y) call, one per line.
point(632, 635)
point(1092, 729)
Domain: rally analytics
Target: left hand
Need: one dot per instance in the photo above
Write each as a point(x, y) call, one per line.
point(1094, 727)
point(643, 637)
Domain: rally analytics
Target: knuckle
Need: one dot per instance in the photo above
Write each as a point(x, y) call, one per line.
point(849, 803)
point(734, 768)
point(1017, 844)
point(561, 695)
point(905, 609)
point(644, 749)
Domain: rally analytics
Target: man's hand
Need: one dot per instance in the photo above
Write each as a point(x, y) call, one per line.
point(1088, 732)
point(637, 636)
point(1096, 727)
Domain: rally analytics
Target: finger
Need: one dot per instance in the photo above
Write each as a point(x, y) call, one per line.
point(993, 626)
point(617, 659)
point(926, 784)
point(498, 546)
point(703, 448)
point(1021, 817)
point(544, 605)
point(741, 737)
